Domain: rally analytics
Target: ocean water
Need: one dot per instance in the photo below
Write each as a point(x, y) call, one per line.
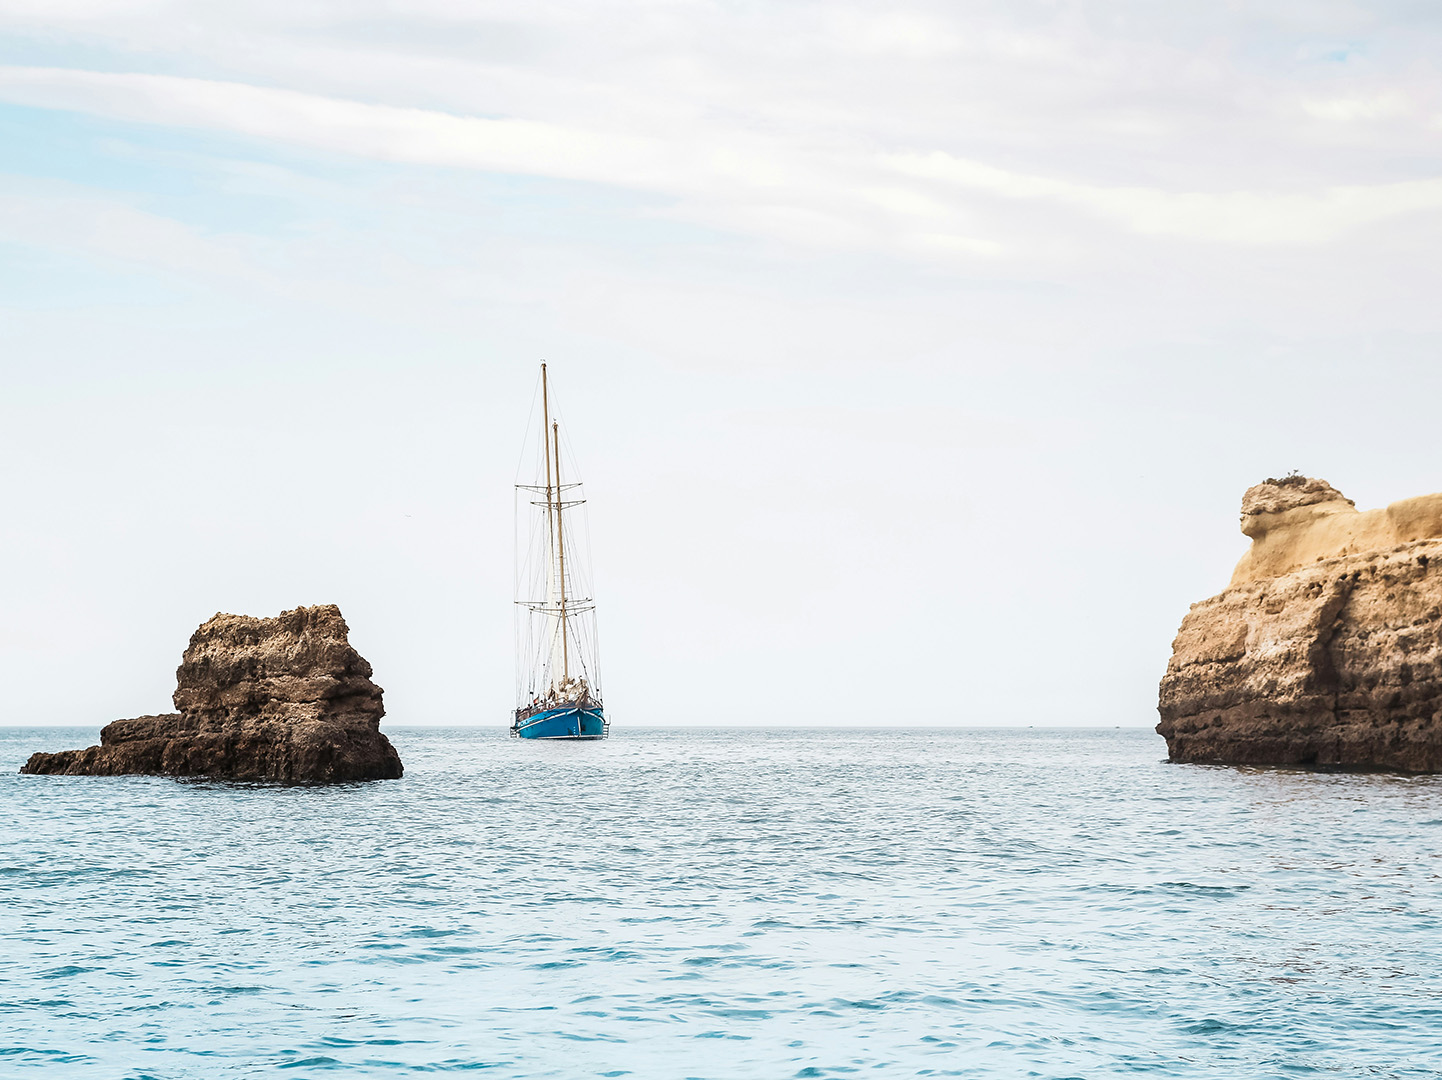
point(735, 903)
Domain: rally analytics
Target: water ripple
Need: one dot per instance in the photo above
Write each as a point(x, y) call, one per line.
point(723, 905)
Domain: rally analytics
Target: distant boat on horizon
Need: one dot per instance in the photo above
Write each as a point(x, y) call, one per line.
point(558, 679)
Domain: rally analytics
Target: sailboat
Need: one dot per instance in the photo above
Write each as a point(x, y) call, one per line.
point(558, 679)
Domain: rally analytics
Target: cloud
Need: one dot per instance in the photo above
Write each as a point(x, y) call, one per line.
point(1351, 109)
point(726, 177)
point(380, 132)
point(70, 219)
point(1237, 217)
point(829, 194)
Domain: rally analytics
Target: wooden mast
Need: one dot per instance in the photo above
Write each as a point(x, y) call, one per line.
point(545, 423)
point(561, 552)
point(546, 441)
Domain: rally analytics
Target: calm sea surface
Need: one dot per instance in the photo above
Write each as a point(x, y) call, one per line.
point(738, 903)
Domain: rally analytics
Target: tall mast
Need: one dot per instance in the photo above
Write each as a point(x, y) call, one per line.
point(552, 512)
point(545, 423)
point(561, 551)
point(546, 441)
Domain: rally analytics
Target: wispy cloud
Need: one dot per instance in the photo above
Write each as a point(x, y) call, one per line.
point(1384, 104)
point(926, 201)
point(77, 220)
point(1234, 217)
point(381, 132)
point(723, 177)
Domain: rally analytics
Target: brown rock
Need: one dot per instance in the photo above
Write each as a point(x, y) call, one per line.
point(1333, 661)
point(284, 699)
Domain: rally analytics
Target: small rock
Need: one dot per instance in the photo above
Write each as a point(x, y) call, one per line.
point(1288, 493)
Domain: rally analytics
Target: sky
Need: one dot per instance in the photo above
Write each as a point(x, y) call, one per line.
point(915, 355)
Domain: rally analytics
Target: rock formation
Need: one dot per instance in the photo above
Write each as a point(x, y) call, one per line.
point(1326, 649)
point(1297, 521)
point(284, 699)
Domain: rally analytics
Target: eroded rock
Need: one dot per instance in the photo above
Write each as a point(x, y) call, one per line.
point(1327, 648)
point(1299, 521)
point(284, 699)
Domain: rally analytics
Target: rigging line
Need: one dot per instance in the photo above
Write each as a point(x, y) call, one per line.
point(590, 565)
point(530, 418)
point(561, 554)
point(576, 469)
point(516, 533)
point(596, 650)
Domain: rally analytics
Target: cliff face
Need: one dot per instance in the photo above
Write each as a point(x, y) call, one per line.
point(285, 699)
point(1327, 648)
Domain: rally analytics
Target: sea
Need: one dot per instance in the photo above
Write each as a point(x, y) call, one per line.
point(1034, 902)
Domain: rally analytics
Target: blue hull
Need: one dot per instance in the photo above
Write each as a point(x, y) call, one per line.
point(567, 722)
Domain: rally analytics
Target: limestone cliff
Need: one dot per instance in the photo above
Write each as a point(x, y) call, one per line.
point(1297, 521)
point(285, 699)
point(1327, 648)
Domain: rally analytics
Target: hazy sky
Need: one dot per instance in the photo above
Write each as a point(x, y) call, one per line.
point(916, 355)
